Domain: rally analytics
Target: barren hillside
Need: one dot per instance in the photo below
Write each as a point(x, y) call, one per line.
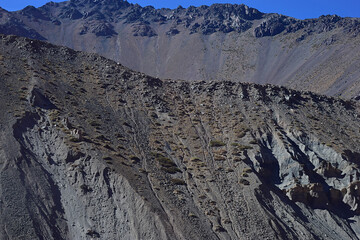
point(90, 149)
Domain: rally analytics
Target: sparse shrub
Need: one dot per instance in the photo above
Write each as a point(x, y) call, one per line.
point(202, 197)
point(216, 143)
point(120, 147)
point(253, 142)
point(241, 133)
point(220, 152)
point(313, 118)
point(134, 159)
point(201, 164)
point(85, 189)
point(101, 137)
point(237, 159)
point(245, 147)
point(219, 228)
point(219, 158)
point(74, 139)
point(192, 215)
point(93, 233)
point(141, 170)
point(247, 170)
point(195, 159)
point(178, 181)
point(107, 146)
point(154, 115)
point(127, 124)
point(166, 163)
point(94, 123)
point(171, 170)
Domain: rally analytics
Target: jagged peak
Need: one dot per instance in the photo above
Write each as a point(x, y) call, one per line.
point(3, 10)
point(102, 2)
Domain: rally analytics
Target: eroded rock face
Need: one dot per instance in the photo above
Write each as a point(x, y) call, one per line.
point(143, 30)
point(352, 196)
point(272, 26)
point(12, 25)
point(329, 171)
point(313, 195)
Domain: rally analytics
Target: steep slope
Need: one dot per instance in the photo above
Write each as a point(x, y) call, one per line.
point(220, 42)
point(90, 149)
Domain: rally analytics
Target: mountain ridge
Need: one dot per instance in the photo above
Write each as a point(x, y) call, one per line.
point(218, 42)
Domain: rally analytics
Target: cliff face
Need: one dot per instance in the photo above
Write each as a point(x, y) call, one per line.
point(90, 149)
point(220, 42)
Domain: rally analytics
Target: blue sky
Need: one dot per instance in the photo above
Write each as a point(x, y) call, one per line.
point(299, 9)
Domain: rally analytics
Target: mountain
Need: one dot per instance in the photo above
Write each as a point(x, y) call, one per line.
point(218, 42)
point(90, 149)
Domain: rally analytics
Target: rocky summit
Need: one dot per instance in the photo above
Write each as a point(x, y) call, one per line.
point(220, 42)
point(90, 149)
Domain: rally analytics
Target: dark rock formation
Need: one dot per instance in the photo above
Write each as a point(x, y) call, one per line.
point(71, 13)
point(35, 14)
point(273, 26)
point(12, 25)
point(173, 32)
point(143, 30)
